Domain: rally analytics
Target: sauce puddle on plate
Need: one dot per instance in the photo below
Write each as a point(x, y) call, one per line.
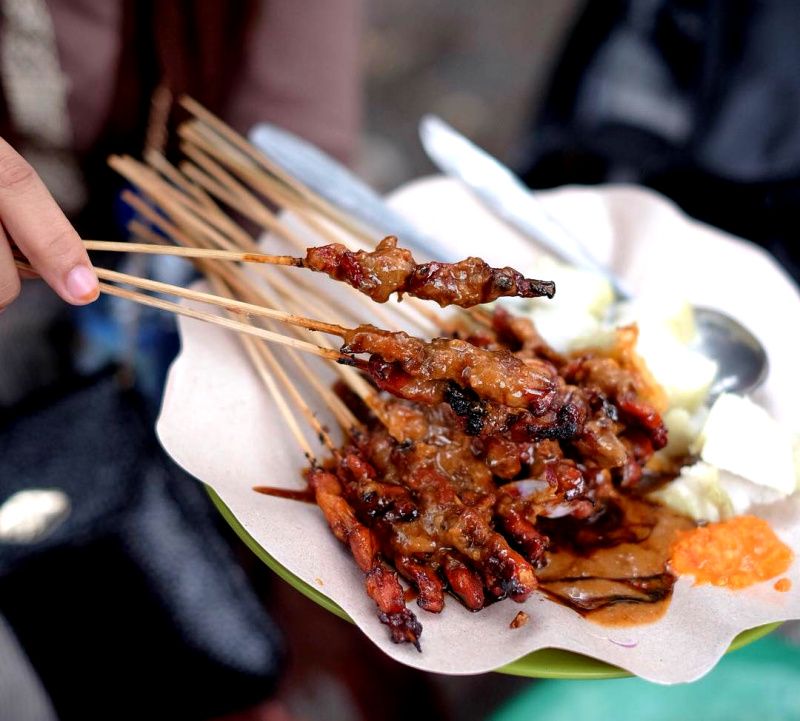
point(614, 571)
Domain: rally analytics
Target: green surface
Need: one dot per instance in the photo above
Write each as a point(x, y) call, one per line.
point(546, 663)
point(761, 682)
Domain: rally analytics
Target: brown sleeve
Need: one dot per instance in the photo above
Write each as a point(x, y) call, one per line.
point(302, 71)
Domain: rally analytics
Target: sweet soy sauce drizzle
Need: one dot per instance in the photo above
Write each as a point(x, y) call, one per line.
point(306, 495)
point(614, 568)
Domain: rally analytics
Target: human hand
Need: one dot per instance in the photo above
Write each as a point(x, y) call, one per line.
point(31, 219)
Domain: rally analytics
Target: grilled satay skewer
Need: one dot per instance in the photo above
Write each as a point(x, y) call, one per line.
point(387, 270)
point(218, 181)
point(208, 140)
point(431, 368)
point(496, 375)
point(442, 370)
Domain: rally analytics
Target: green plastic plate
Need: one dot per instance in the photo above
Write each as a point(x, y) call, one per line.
point(545, 663)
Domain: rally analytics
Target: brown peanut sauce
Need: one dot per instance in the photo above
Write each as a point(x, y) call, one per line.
point(613, 571)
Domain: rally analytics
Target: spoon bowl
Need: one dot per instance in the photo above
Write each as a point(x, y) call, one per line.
point(742, 362)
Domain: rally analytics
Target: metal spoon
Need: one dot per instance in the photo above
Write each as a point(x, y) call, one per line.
point(740, 357)
point(742, 363)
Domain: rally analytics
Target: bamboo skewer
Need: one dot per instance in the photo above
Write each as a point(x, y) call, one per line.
point(177, 309)
point(342, 413)
point(218, 320)
point(224, 271)
point(193, 222)
point(298, 292)
point(170, 229)
point(205, 218)
point(303, 304)
point(210, 155)
point(150, 181)
point(272, 189)
point(229, 304)
point(349, 375)
point(219, 182)
point(208, 182)
point(297, 398)
point(235, 306)
point(210, 210)
point(223, 278)
point(189, 252)
point(258, 359)
point(226, 132)
point(143, 234)
point(231, 137)
point(158, 162)
point(178, 206)
point(261, 357)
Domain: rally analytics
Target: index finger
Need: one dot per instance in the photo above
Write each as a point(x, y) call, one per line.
point(34, 221)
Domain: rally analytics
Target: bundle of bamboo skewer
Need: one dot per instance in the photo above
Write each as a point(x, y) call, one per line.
point(191, 211)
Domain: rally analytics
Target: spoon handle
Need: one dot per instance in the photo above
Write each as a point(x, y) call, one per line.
point(338, 185)
point(503, 193)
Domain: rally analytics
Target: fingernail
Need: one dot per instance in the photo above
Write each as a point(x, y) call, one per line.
point(82, 284)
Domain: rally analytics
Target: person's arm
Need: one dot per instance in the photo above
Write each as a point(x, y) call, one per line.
point(302, 71)
point(31, 219)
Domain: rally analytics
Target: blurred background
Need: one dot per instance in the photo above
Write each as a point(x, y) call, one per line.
point(131, 598)
point(481, 66)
